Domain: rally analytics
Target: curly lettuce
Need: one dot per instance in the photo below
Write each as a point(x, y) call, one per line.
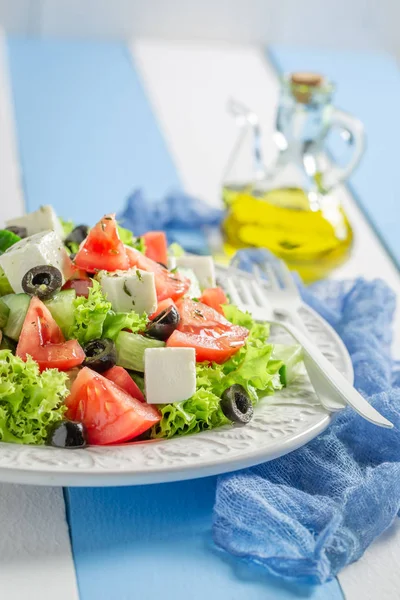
point(90, 314)
point(116, 322)
point(127, 238)
point(30, 401)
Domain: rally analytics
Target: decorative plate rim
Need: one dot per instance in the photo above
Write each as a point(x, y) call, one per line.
point(281, 424)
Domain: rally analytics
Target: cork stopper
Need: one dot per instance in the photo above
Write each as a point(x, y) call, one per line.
point(303, 85)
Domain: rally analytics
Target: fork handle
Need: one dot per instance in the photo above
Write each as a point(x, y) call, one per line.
point(335, 379)
point(327, 396)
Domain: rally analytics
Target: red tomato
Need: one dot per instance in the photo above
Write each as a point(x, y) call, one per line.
point(81, 286)
point(208, 347)
point(156, 246)
point(196, 316)
point(122, 379)
point(43, 340)
point(168, 285)
point(102, 248)
point(214, 297)
point(201, 327)
point(162, 306)
point(108, 412)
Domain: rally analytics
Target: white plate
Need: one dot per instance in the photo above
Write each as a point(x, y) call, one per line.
point(281, 423)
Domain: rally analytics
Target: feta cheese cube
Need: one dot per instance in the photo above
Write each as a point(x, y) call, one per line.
point(194, 291)
point(43, 219)
point(130, 290)
point(203, 267)
point(169, 374)
point(41, 249)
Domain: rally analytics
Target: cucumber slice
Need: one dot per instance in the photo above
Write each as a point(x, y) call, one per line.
point(292, 357)
point(4, 313)
point(130, 350)
point(5, 287)
point(61, 306)
point(18, 305)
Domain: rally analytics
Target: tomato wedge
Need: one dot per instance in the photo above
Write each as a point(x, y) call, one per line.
point(196, 317)
point(122, 379)
point(214, 297)
point(102, 248)
point(108, 412)
point(212, 336)
point(162, 306)
point(156, 246)
point(42, 339)
point(81, 286)
point(208, 348)
point(168, 285)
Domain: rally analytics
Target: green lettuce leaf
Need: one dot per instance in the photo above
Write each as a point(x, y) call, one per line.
point(237, 316)
point(202, 411)
point(7, 239)
point(90, 314)
point(116, 322)
point(127, 238)
point(68, 226)
point(29, 401)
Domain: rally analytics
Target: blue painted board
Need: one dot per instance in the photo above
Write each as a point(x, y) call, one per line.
point(368, 85)
point(152, 542)
point(87, 136)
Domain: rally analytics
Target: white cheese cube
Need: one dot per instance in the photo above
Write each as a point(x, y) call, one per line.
point(169, 374)
point(194, 290)
point(43, 219)
point(40, 249)
point(203, 267)
point(130, 290)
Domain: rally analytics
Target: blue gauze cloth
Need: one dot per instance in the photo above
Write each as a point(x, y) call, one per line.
point(308, 514)
point(181, 216)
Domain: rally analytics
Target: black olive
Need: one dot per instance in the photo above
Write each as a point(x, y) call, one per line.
point(77, 235)
point(67, 434)
point(21, 232)
point(72, 255)
point(42, 281)
point(164, 324)
point(236, 404)
point(101, 355)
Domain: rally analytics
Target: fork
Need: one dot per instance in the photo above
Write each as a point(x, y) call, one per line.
point(285, 300)
point(249, 295)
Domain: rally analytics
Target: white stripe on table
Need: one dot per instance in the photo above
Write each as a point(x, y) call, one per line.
point(188, 85)
point(35, 550)
point(11, 196)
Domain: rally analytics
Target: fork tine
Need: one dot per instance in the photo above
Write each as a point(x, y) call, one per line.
point(272, 277)
point(232, 291)
point(246, 293)
point(258, 294)
point(287, 278)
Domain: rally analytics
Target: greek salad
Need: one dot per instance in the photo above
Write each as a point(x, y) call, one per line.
point(107, 338)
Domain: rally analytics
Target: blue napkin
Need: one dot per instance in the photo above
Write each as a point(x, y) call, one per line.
point(184, 218)
point(308, 514)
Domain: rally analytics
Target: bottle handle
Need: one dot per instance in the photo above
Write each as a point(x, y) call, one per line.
point(353, 131)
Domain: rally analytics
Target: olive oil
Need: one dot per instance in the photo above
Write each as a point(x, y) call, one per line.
point(312, 240)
